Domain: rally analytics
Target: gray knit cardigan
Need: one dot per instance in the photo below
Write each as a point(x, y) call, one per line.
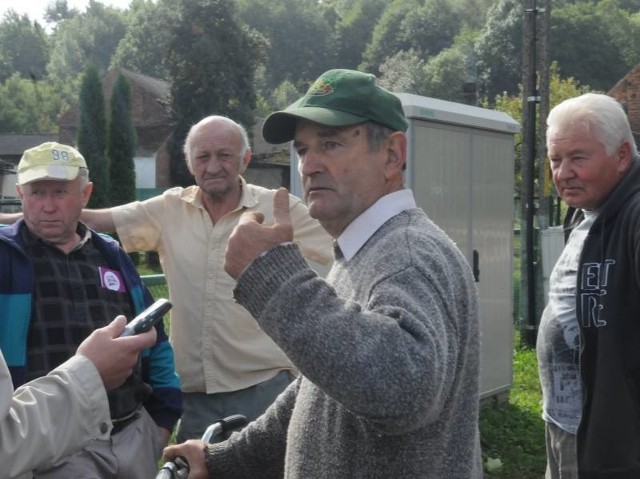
point(388, 348)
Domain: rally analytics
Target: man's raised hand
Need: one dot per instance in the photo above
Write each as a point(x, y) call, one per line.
point(251, 237)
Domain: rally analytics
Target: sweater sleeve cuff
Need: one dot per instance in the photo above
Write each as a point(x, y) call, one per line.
point(217, 462)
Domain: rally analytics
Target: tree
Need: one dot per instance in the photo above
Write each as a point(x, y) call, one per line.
point(354, 29)
point(300, 39)
point(58, 11)
point(211, 61)
point(285, 94)
point(28, 106)
point(473, 13)
point(402, 72)
point(121, 145)
point(445, 75)
point(631, 6)
point(560, 89)
point(442, 76)
point(432, 28)
point(24, 47)
point(385, 41)
point(426, 27)
point(143, 47)
point(499, 48)
point(87, 38)
point(92, 132)
point(609, 51)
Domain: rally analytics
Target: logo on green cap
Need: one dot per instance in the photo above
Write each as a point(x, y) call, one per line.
point(322, 86)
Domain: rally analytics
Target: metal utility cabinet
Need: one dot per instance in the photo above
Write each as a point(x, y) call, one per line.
point(460, 167)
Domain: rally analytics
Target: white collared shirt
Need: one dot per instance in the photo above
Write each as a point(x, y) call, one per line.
point(364, 226)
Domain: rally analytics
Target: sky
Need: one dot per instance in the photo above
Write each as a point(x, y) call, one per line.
point(35, 8)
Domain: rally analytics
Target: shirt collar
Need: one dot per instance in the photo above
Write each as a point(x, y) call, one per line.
point(247, 198)
point(364, 226)
point(31, 239)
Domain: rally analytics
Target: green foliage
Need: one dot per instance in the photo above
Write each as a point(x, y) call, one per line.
point(499, 49)
point(87, 38)
point(58, 10)
point(431, 28)
point(92, 136)
point(28, 106)
point(121, 145)
point(445, 74)
point(385, 42)
point(285, 94)
point(299, 39)
point(354, 29)
point(514, 432)
point(608, 53)
point(426, 27)
point(211, 62)
point(246, 58)
point(631, 6)
point(143, 47)
point(24, 47)
point(472, 12)
point(559, 90)
point(403, 72)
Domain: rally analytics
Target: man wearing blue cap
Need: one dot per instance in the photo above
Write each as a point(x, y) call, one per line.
point(388, 344)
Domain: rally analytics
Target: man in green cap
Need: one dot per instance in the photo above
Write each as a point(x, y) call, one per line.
point(388, 344)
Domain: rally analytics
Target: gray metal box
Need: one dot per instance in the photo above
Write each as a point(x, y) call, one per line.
point(461, 169)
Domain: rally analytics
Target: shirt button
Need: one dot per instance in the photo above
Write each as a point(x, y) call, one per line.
point(104, 427)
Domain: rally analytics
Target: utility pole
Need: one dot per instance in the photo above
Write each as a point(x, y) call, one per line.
point(529, 274)
point(545, 197)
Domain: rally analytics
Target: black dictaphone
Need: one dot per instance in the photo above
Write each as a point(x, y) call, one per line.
point(148, 318)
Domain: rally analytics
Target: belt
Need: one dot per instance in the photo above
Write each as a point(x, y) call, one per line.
point(120, 424)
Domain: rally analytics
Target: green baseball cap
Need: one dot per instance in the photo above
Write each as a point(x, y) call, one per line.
point(338, 98)
point(50, 161)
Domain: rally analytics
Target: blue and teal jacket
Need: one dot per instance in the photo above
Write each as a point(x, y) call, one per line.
point(164, 404)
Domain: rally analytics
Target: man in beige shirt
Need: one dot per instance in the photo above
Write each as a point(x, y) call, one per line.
point(227, 364)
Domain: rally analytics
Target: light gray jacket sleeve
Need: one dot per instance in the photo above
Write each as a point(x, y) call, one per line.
point(51, 416)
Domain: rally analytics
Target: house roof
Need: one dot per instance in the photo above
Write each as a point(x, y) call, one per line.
point(159, 88)
point(12, 145)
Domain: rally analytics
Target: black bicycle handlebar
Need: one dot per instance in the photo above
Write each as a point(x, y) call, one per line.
point(179, 467)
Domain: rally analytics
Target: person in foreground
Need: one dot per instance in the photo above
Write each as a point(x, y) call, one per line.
point(58, 282)
point(587, 346)
point(388, 344)
point(53, 415)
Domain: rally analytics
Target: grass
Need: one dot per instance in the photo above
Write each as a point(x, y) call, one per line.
point(512, 434)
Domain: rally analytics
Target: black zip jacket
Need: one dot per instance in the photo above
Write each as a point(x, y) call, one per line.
point(608, 310)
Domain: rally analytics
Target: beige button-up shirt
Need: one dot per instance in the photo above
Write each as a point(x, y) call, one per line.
point(218, 346)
